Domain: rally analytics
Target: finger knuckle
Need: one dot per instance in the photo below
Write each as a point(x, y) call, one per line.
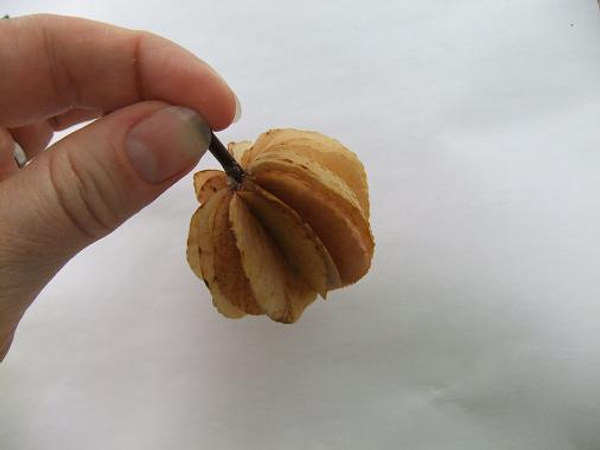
point(86, 202)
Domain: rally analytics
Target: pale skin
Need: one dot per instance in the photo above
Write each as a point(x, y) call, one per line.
point(58, 72)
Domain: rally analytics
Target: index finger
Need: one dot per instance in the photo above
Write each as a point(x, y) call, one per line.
point(51, 64)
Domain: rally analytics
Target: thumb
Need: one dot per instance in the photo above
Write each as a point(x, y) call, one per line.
point(89, 183)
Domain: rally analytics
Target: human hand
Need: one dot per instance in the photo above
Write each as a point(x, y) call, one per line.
point(155, 105)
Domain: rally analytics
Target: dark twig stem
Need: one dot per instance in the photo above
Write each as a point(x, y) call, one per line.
point(230, 165)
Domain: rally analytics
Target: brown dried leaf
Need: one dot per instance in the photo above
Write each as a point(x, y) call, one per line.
point(206, 248)
point(340, 225)
point(290, 161)
point(322, 149)
point(258, 146)
point(192, 252)
point(208, 182)
point(301, 247)
point(281, 293)
point(229, 274)
point(237, 149)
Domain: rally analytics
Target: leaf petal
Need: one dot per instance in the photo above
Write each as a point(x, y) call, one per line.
point(205, 239)
point(301, 247)
point(209, 182)
point(281, 293)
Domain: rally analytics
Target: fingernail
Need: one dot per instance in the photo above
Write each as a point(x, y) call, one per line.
point(238, 109)
point(169, 142)
point(19, 155)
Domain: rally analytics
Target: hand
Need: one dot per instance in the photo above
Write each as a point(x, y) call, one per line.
point(155, 103)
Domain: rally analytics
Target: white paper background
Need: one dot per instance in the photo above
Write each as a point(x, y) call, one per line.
point(479, 324)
